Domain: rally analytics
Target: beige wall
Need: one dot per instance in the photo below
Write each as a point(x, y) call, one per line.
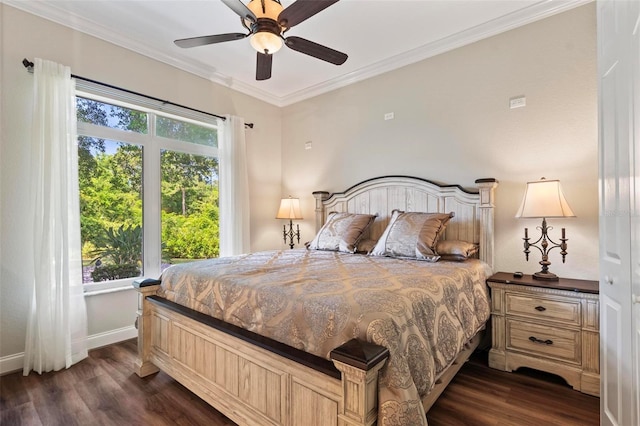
point(26, 36)
point(453, 124)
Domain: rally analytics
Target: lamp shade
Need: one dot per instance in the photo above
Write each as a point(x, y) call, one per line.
point(289, 209)
point(544, 198)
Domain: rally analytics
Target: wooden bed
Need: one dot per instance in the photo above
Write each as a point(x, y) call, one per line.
point(254, 380)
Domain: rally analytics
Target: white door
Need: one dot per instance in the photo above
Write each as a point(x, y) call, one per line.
point(634, 86)
point(619, 183)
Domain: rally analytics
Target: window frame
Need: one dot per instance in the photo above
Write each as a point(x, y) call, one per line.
point(152, 146)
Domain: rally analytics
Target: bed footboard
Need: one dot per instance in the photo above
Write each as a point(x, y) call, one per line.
point(254, 380)
point(142, 365)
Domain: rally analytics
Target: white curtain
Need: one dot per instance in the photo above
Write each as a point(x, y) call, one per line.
point(234, 189)
point(57, 322)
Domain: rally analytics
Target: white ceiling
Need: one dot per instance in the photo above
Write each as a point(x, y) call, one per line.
point(378, 36)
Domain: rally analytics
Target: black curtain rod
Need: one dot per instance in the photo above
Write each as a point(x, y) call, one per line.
point(29, 66)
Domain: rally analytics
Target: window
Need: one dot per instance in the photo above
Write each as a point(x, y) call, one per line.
point(189, 207)
point(148, 180)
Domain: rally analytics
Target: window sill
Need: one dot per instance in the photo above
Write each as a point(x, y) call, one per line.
point(108, 290)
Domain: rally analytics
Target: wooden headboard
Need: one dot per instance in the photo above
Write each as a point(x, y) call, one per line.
point(473, 220)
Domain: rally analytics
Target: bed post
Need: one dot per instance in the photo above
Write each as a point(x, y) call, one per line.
point(359, 363)
point(321, 197)
point(487, 197)
point(145, 287)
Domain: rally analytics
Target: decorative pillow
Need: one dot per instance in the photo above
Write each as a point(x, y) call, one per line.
point(366, 245)
point(412, 235)
point(341, 232)
point(456, 250)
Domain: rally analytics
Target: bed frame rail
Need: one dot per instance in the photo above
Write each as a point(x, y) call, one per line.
point(254, 380)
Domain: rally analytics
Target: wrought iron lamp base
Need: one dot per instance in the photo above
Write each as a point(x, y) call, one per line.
point(544, 248)
point(291, 233)
point(546, 276)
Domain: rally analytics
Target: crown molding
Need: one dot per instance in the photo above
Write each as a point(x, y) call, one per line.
point(50, 11)
point(488, 29)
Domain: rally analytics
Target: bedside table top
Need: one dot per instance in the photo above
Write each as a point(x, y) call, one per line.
point(585, 286)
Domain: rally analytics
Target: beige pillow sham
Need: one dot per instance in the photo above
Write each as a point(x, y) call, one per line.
point(456, 250)
point(341, 232)
point(412, 235)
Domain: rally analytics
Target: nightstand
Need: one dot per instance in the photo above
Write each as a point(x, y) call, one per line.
point(551, 326)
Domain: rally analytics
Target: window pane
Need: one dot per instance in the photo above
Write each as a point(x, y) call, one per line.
point(187, 132)
point(110, 180)
point(116, 117)
point(189, 207)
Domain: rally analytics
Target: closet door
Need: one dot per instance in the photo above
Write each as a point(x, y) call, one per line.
point(619, 189)
point(634, 22)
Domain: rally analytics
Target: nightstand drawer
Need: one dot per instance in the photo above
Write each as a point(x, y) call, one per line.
point(550, 342)
point(565, 311)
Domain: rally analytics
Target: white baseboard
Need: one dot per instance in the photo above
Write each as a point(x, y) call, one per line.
point(11, 363)
point(110, 337)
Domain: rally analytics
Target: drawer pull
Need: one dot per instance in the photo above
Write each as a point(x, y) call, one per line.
point(540, 308)
point(544, 342)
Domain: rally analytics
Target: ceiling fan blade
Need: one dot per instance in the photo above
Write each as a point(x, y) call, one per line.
point(316, 50)
point(241, 9)
point(302, 10)
point(263, 66)
point(210, 39)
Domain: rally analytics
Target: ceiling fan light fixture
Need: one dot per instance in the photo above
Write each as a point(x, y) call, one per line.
point(266, 42)
point(267, 22)
point(265, 8)
point(266, 31)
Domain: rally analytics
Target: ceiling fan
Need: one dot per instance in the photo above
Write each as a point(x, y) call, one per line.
point(267, 22)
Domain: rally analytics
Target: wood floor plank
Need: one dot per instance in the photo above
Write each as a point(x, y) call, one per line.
point(13, 393)
point(57, 406)
point(103, 390)
point(21, 415)
point(509, 399)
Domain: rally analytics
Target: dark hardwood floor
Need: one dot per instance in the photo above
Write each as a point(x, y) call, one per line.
point(103, 390)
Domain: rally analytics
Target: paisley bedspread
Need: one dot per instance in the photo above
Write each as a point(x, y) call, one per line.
point(313, 300)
